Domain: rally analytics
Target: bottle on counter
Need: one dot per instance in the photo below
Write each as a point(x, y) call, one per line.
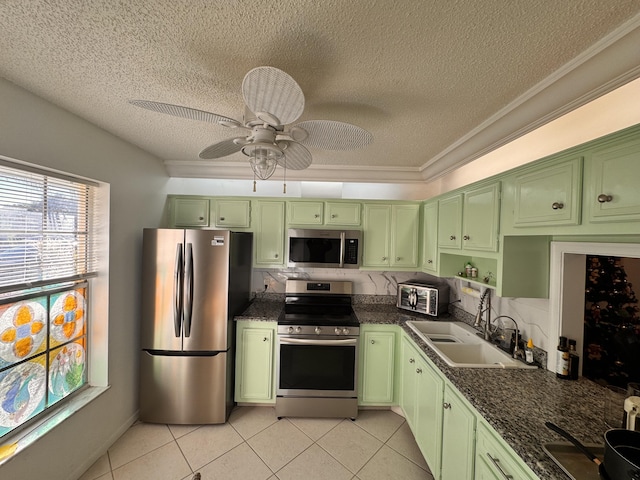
point(528, 352)
point(562, 362)
point(574, 360)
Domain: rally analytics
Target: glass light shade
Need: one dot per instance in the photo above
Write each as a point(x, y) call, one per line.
point(263, 159)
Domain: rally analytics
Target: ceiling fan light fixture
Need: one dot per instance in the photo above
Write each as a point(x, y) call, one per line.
point(263, 158)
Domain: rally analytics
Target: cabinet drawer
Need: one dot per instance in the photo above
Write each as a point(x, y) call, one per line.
point(498, 457)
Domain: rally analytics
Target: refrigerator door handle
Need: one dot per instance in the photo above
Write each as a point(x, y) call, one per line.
point(178, 274)
point(188, 294)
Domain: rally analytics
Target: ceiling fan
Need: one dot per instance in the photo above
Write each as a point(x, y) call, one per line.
point(273, 101)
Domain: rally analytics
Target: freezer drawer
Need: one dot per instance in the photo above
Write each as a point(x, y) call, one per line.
point(185, 389)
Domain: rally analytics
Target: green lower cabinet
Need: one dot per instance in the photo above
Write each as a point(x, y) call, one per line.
point(428, 433)
point(377, 365)
point(458, 437)
point(421, 394)
point(255, 360)
point(495, 460)
point(408, 356)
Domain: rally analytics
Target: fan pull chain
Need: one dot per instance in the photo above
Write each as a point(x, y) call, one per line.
point(284, 177)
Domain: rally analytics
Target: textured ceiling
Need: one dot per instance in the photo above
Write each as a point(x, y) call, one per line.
point(420, 75)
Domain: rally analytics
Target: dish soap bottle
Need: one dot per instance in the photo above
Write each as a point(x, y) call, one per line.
point(562, 362)
point(528, 352)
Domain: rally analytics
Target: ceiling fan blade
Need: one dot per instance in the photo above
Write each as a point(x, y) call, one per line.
point(185, 112)
point(331, 135)
point(272, 91)
point(220, 149)
point(296, 156)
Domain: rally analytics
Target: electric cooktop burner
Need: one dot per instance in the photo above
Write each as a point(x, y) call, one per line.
point(310, 302)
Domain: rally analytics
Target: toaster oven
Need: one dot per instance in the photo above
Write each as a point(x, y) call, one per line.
point(423, 297)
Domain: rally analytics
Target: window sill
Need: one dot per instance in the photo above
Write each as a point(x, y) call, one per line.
point(14, 444)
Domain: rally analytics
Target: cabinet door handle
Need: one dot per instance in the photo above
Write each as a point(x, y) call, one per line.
point(276, 255)
point(557, 205)
point(418, 370)
point(466, 237)
point(496, 462)
point(411, 360)
point(317, 215)
point(397, 259)
point(200, 218)
point(222, 219)
point(333, 215)
point(265, 339)
point(372, 342)
point(604, 198)
point(429, 261)
point(384, 259)
point(452, 237)
point(446, 405)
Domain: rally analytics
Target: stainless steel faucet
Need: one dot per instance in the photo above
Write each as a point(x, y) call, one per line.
point(517, 351)
point(486, 330)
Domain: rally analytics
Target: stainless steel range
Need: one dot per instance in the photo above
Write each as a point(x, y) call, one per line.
point(317, 351)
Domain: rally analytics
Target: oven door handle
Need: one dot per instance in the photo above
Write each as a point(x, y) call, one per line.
point(305, 341)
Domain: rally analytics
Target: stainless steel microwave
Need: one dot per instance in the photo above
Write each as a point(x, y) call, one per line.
point(324, 248)
point(423, 297)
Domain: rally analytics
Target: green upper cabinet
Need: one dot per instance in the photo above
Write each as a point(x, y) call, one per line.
point(343, 213)
point(391, 235)
point(470, 220)
point(405, 222)
point(450, 221)
point(189, 212)
point(305, 213)
point(547, 194)
point(377, 241)
point(269, 233)
point(430, 237)
point(377, 364)
point(481, 218)
point(612, 175)
point(232, 213)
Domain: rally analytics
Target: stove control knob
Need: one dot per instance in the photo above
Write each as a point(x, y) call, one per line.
point(298, 329)
point(290, 329)
point(345, 331)
point(318, 330)
point(338, 331)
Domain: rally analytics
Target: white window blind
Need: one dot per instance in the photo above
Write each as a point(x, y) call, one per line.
point(45, 228)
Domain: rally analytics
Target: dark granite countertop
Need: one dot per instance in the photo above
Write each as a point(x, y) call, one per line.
point(516, 403)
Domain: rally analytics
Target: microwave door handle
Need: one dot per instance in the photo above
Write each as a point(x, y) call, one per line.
point(343, 240)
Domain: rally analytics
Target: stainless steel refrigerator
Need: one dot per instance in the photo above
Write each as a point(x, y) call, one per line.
point(194, 282)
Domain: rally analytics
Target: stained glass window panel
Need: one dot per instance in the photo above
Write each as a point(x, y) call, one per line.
point(22, 330)
point(67, 316)
point(22, 392)
point(67, 370)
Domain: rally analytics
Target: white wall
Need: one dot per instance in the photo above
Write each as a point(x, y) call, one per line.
point(38, 132)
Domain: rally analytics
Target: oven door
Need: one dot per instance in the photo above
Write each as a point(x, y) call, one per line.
point(312, 366)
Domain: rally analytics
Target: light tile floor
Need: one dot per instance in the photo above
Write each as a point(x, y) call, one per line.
point(255, 445)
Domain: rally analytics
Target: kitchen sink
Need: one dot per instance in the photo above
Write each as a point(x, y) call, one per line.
point(459, 345)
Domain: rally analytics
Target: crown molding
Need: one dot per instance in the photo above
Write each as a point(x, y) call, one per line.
point(317, 173)
point(609, 64)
